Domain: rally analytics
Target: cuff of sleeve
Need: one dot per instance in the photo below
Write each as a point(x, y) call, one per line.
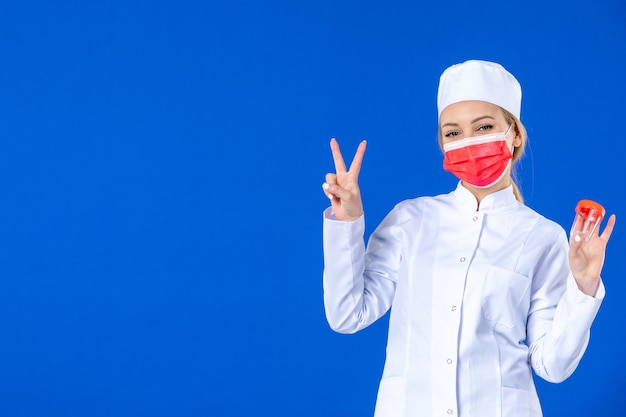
point(580, 296)
point(329, 214)
point(337, 231)
point(582, 307)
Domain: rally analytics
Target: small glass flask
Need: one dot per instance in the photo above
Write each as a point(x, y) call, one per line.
point(589, 215)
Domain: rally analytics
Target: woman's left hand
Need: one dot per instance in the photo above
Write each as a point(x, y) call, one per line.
point(586, 258)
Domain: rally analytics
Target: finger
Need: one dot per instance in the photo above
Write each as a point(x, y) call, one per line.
point(331, 180)
point(355, 166)
point(340, 165)
point(610, 224)
point(576, 239)
point(325, 187)
point(575, 230)
point(334, 190)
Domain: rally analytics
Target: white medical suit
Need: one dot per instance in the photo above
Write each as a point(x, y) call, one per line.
point(477, 297)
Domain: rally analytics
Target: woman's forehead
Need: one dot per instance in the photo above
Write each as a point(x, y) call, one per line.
point(467, 111)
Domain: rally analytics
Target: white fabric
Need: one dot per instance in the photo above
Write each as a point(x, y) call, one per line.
point(479, 80)
point(476, 295)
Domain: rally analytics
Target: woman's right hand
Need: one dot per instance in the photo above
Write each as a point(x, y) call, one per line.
point(342, 187)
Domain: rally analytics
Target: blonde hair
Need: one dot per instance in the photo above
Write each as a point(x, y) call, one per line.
point(518, 151)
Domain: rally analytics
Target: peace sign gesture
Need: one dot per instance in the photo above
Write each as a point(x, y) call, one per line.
point(342, 188)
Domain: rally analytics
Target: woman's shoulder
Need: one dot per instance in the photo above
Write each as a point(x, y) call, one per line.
point(534, 213)
point(546, 225)
point(417, 204)
point(412, 201)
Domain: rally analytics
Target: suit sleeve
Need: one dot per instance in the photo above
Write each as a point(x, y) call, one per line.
point(359, 284)
point(560, 317)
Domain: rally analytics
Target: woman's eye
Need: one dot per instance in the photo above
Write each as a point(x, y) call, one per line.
point(451, 134)
point(485, 127)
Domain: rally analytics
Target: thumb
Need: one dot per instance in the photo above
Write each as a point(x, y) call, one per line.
point(576, 239)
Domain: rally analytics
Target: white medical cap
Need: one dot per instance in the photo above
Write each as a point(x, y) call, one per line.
point(479, 80)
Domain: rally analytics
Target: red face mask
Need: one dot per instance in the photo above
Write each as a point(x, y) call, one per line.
point(480, 161)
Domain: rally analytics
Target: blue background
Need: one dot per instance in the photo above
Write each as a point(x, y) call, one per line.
point(161, 164)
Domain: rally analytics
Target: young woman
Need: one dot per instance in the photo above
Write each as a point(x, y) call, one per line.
point(481, 287)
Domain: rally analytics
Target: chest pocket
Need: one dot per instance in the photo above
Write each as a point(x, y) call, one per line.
point(505, 297)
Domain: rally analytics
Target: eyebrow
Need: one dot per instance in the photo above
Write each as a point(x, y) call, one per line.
point(473, 121)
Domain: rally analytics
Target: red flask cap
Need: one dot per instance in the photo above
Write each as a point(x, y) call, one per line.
point(589, 208)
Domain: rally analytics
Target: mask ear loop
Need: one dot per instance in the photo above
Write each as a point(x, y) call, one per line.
point(508, 130)
point(506, 134)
